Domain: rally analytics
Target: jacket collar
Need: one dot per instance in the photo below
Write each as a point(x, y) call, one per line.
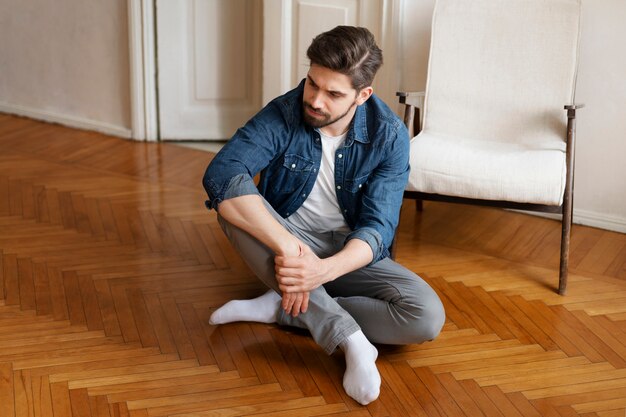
point(358, 128)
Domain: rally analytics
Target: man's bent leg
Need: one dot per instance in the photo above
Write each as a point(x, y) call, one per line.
point(391, 304)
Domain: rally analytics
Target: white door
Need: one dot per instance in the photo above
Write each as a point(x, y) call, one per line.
point(209, 66)
point(219, 61)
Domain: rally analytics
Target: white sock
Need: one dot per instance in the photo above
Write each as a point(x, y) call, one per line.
point(361, 380)
point(263, 309)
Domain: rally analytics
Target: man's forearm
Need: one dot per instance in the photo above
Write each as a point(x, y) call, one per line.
point(248, 212)
point(356, 254)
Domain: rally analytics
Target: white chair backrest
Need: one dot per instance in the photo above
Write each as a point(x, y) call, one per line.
point(502, 70)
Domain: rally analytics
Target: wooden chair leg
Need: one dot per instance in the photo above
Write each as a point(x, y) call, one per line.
point(566, 231)
point(568, 198)
point(565, 241)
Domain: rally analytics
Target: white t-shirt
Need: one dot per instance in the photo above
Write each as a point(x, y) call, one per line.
point(320, 212)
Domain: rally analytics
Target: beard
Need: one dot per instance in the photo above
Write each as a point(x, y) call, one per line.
point(324, 119)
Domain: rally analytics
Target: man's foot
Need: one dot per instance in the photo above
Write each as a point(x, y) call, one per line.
point(361, 380)
point(263, 309)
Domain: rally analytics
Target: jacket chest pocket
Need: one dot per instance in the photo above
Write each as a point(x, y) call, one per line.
point(292, 174)
point(356, 185)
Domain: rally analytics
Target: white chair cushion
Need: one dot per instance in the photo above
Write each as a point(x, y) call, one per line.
point(487, 170)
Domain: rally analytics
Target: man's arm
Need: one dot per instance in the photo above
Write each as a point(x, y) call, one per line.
point(248, 212)
point(382, 196)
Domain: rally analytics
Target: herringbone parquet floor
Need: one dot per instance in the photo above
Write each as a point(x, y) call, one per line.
point(110, 266)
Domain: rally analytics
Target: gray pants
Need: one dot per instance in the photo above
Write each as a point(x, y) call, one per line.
point(389, 303)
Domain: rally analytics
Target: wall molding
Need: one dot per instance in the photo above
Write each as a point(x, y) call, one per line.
point(600, 220)
point(65, 120)
point(143, 86)
point(588, 218)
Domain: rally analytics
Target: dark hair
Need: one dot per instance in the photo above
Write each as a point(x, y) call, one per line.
point(349, 50)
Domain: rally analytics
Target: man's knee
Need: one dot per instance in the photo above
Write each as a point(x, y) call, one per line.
point(433, 322)
point(428, 318)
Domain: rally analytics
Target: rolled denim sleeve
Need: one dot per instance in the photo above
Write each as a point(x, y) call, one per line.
point(381, 202)
point(231, 172)
point(239, 185)
point(370, 236)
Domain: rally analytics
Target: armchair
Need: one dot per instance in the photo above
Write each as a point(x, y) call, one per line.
point(491, 129)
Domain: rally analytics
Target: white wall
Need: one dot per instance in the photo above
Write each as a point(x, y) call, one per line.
point(66, 61)
point(600, 175)
point(600, 183)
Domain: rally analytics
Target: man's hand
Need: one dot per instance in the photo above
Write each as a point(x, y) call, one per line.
point(302, 273)
point(297, 276)
point(295, 303)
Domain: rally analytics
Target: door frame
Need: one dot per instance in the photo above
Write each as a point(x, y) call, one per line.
point(143, 70)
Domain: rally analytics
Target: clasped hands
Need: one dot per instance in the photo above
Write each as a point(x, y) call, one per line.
point(297, 276)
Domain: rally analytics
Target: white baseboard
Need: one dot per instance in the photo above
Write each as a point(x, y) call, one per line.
point(600, 220)
point(590, 218)
point(66, 120)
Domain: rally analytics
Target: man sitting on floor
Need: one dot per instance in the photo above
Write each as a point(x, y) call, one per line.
point(333, 160)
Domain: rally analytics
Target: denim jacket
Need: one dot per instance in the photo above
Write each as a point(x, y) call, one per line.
point(371, 168)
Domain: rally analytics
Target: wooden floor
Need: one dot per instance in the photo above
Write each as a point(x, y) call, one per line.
point(110, 267)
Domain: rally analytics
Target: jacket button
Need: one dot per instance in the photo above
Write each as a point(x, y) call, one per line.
point(340, 156)
point(339, 187)
point(293, 166)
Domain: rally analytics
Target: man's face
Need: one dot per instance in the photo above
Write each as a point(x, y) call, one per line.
point(329, 99)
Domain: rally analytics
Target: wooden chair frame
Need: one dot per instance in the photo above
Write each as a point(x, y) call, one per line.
point(413, 103)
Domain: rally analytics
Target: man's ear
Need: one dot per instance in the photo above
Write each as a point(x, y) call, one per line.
point(363, 95)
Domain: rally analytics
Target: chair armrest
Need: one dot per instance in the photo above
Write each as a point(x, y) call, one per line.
point(413, 110)
point(571, 109)
point(413, 98)
point(410, 93)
